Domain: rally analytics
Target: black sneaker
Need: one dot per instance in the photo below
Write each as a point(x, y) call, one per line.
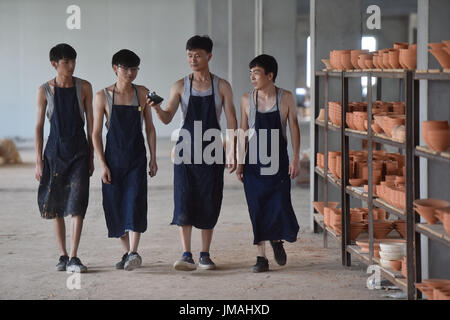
point(120, 265)
point(186, 263)
point(206, 263)
point(75, 265)
point(133, 261)
point(61, 266)
point(279, 253)
point(262, 265)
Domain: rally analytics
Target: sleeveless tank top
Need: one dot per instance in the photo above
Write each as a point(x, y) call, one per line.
point(51, 100)
point(252, 111)
point(185, 97)
point(134, 102)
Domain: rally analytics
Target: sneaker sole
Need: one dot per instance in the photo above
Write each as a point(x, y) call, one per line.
point(206, 266)
point(60, 268)
point(133, 264)
point(76, 270)
point(184, 266)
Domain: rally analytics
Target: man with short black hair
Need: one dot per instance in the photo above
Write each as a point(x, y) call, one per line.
point(198, 187)
point(268, 108)
point(63, 171)
point(124, 161)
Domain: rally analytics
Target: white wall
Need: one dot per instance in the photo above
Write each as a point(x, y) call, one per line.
point(157, 30)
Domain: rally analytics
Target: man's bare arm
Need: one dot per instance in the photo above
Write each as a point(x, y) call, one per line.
point(39, 131)
point(87, 103)
point(166, 115)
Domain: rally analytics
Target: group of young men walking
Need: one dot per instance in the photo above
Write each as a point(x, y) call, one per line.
point(64, 168)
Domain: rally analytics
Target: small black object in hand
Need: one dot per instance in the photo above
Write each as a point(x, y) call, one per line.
point(155, 98)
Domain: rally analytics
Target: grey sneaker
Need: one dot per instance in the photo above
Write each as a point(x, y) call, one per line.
point(133, 261)
point(120, 265)
point(61, 266)
point(75, 265)
point(279, 253)
point(186, 263)
point(206, 263)
point(262, 265)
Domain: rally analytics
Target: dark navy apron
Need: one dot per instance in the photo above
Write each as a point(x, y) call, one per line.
point(125, 199)
point(198, 188)
point(269, 196)
point(64, 185)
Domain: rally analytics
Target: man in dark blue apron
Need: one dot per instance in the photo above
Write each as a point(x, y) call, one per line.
point(124, 161)
point(63, 171)
point(267, 184)
point(198, 183)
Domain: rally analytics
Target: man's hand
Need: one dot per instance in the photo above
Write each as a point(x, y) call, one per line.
point(38, 170)
point(91, 166)
point(106, 175)
point(294, 168)
point(153, 168)
point(240, 172)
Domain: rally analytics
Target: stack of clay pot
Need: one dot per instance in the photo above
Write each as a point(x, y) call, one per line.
point(320, 160)
point(335, 112)
point(436, 135)
point(404, 267)
point(401, 56)
point(441, 51)
point(400, 227)
point(435, 289)
point(391, 255)
point(364, 245)
point(320, 206)
point(432, 210)
point(357, 222)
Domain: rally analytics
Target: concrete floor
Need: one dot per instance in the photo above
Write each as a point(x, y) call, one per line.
point(28, 251)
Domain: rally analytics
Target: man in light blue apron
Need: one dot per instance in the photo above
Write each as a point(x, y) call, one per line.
point(63, 171)
point(198, 185)
point(267, 109)
point(124, 161)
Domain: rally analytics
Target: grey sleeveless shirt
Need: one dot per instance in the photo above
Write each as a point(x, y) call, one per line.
point(134, 102)
point(186, 94)
point(51, 99)
point(252, 111)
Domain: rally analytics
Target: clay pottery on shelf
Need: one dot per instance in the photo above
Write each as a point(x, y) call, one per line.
point(404, 267)
point(357, 182)
point(349, 120)
point(376, 128)
point(358, 120)
point(319, 206)
point(442, 57)
point(355, 229)
point(375, 61)
point(327, 64)
point(436, 45)
point(369, 63)
point(438, 139)
point(361, 60)
point(409, 58)
point(335, 60)
point(426, 290)
point(321, 116)
point(444, 216)
point(399, 133)
point(400, 45)
point(346, 61)
point(396, 264)
point(432, 125)
point(426, 208)
point(354, 54)
point(386, 60)
point(393, 59)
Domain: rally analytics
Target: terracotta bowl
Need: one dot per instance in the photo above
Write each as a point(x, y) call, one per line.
point(396, 264)
point(393, 59)
point(376, 128)
point(357, 182)
point(400, 45)
point(327, 64)
point(436, 45)
point(386, 60)
point(427, 291)
point(319, 205)
point(444, 216)
point(409, 58)
point(346, 61)
point(354, 54)
point(369, 63)
point(439, 140)
point(442, 57)
point(426, 208)
point(432, 125)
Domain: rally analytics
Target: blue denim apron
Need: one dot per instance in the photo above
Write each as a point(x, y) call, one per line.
point(198, 188)
point(64, 185)
point(269, 196)
point(125, 199)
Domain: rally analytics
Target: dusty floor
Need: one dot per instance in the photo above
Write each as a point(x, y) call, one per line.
point(28, 251)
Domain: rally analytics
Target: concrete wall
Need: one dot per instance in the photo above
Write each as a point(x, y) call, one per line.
point(156, 30)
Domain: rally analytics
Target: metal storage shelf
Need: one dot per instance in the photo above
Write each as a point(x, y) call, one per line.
point(347, 246)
